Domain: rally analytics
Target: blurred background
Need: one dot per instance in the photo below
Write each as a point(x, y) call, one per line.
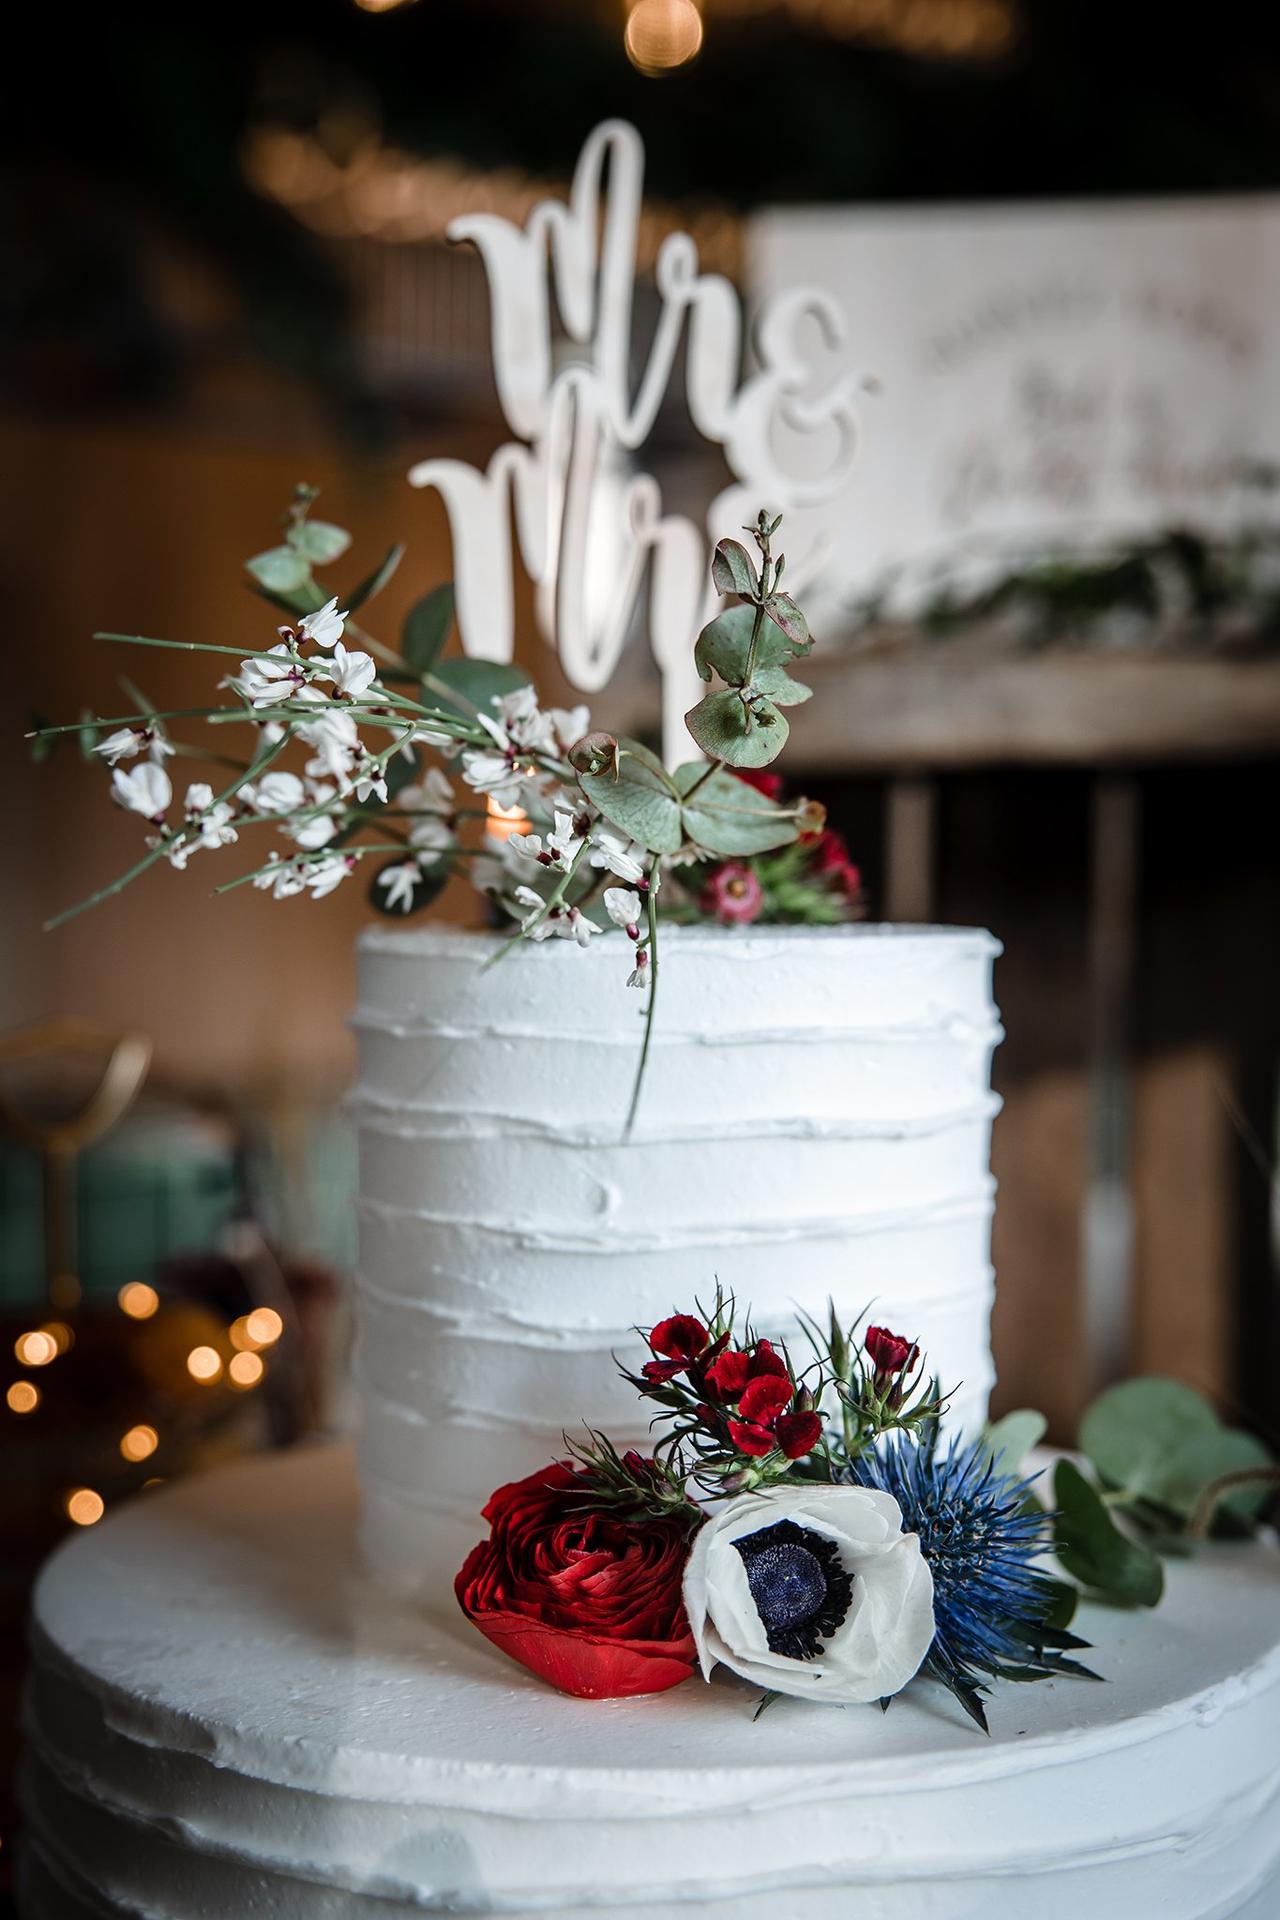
point(1049, 669)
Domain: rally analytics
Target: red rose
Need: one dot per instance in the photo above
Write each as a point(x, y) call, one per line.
point(889, 1352)
point(584, 1599)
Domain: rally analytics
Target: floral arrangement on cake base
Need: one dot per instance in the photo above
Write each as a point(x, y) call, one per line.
point(361, 754)
point(812, 1530)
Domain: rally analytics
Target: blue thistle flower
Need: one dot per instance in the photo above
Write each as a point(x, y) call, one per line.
point(996, 1614)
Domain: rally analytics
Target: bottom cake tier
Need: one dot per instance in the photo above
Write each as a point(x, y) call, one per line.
point(228, 1720)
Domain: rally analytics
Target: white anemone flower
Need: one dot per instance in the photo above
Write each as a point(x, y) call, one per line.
point(814, 1591)
point(145, 789)
point(324, 627)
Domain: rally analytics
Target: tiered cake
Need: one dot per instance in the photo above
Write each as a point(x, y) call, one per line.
point(229, 1717)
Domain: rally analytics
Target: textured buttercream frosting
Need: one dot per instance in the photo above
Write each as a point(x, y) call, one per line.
point(815, 1125)
point(228, 1718)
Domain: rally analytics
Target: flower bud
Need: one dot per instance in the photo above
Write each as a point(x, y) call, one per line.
point(594, 753)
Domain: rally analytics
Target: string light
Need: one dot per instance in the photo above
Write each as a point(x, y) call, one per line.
point(23, 1396)
point(204, 1364)
point(85, 1507)
point(246, 1370)
point(36, 1349)
point(138, 1300)
point(662, 34)
point(139, 1443)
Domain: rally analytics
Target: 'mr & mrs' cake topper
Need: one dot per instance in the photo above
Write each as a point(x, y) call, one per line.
point(585, 511)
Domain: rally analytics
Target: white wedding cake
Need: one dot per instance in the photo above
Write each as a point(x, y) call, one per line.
point(230, 1716)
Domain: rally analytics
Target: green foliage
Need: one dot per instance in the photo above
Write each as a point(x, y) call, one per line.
point(1094, 1551)
point(281, 570)
point(743, 731)
point(748, 648)
point(1162, 1445)
point(728, 817)
point(374, 582)
point(641, 799)
point(468, 687)
point(733, 570)
point(1008, 1442)
point(426, 629)
point(318, 542)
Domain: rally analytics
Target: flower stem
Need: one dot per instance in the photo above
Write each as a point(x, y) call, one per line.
point(652, 904)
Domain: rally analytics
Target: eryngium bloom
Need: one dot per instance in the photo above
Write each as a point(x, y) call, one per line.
point(981, 1533)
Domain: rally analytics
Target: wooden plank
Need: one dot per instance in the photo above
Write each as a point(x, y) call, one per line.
point(910, 851)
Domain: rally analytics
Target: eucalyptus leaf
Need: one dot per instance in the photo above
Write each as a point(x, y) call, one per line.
point(640, 799)
point(1062, 1612)
point(1094, 1551)
point(426, 890)
point(1163, 1443)
point(471, 686)
point(426, 628)
point(374, 582)
point(280, 569)
point(782, 609)
point(726, 816)
point(732, 569)
point(779, 687)
point(719, 725)
point(1008, 1442)
point(724, 646)
point(319, 541)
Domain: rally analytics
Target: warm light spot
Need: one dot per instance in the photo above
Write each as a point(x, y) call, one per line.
point(504, 821)
point(262, 1327)
point(139, 1443)
point(36, 1349)
point(662, 34)
point(381, 6)
point(246, 1370)
point(156, 1480)
point(203, 1363)
point(85, 1507)
point(138, 1300)
point(23, 1397)
point(60, 1334)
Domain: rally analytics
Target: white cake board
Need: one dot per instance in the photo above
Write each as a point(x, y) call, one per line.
point(227, 1717)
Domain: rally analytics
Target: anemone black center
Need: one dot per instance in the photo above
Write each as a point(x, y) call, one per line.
point(800, 1588)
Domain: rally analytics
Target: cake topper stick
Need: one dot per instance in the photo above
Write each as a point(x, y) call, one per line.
point(590, 524)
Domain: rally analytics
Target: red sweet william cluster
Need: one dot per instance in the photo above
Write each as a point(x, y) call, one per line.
point(745, 1393)
point(583, 1597)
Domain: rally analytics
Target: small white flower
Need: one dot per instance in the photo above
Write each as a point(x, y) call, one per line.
point(146, 789)
point(276, 793)
point(432, 794)
point(555, 850)
point(433, 837)
point(614, 853)
point(570, 723)
point(872, 1639)
point(210, 821)
point(270, 677)
point(399, 883)
point(536, 928)
point(121, 745)
point(523, 724)
point(571, 924)
point(282, 881)
point(159, 746)
point(493, 773)
point(324, 627)
point(325, 875)
point(370, 779)
point(351, 673)
point(199, 796)
point(639, 974)
point(623, 908)
point(318, 831)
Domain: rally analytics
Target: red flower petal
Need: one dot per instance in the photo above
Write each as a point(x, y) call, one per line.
point(765, 1359)
point(680, 1338)
point(889, 1352)
point(757, 1441)
point(729, 1374)
point(798, 1433)
point(769, 784)
point(660, 1370)
point(764, 1399)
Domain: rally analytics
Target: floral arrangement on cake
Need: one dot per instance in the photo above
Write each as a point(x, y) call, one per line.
point(811, 1529)
point(593, 828)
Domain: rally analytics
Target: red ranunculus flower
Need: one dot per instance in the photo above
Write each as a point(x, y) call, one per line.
point(889, 1352)
point(585, 1599)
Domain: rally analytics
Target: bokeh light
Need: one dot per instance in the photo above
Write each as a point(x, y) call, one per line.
point(85, 1507)
point(138, 1300)
point(204, 1364)
point(662, 34)
point(23, 1396)
point(139, 1443)
point(246, 1370)
point(262, 1327)
point(36, 1349)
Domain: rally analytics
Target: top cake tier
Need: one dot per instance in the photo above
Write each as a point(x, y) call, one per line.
point(814, 1124)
